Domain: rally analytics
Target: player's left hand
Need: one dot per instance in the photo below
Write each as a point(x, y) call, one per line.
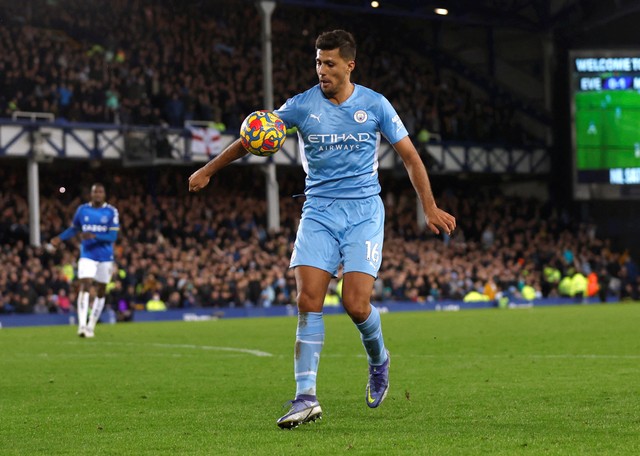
point(438, 219)
point(198, 180)
point(87, 235)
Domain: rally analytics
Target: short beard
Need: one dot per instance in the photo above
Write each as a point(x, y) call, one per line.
point(328, 93)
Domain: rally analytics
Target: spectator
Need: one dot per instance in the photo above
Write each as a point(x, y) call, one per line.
point(63, 302)
point(155, 304)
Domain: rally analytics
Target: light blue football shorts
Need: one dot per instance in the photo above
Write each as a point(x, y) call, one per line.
point(340, 231)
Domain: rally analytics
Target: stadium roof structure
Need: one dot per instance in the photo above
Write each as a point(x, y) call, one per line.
point(570, 16)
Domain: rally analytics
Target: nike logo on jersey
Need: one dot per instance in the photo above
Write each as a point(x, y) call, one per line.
point(314, 116)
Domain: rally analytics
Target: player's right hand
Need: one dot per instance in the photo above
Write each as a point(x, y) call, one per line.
point(52, 245)
point(198, 180)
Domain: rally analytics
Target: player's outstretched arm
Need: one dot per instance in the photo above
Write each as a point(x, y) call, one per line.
point(436, 218)
point(200, 179)
point(55, 242)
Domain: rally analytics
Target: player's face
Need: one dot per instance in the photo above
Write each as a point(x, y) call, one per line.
point(98, 195)
point(333, 71)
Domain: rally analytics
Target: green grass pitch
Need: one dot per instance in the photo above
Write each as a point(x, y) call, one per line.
point(607, 129)
point(552, 381)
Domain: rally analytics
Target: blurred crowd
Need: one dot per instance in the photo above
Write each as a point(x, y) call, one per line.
point(212, 249)
point(164, 62)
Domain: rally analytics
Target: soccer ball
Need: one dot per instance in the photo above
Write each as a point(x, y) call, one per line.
point(263, 133)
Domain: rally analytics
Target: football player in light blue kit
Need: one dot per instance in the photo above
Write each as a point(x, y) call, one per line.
point(97, 223)
point(339, 128)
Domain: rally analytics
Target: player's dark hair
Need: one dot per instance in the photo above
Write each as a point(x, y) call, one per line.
point(338, 39)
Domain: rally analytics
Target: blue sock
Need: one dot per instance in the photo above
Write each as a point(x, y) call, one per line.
point(371, 331)
point(309, 341)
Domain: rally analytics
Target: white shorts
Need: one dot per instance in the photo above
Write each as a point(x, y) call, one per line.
point(100, 271)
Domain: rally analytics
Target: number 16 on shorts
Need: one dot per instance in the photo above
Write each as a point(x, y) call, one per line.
point(373, 253)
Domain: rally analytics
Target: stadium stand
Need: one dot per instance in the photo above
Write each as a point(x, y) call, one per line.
point(154, 69)
point(212, 249)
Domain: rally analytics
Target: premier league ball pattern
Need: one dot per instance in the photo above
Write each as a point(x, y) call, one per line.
point(263, 133)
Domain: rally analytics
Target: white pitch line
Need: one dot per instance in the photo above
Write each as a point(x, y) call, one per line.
point(588, 356)
point(360, 355)
point(528, 355)
point(210, 347)
point(474, 355)
point(195, 347)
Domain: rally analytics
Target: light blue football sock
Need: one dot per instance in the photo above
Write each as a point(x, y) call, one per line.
point(309, 342)
point(371, 332)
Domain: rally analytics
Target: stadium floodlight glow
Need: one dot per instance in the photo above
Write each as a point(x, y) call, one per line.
point(375, 4)
point(441, 11)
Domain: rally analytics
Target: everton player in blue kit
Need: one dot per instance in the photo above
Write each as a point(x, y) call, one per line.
point(97, 224)
point(339, 128)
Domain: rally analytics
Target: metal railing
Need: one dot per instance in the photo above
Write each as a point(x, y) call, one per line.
point(44, 140)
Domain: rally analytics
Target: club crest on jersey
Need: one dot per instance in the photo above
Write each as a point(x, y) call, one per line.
point(360, 116)
point(104, 219)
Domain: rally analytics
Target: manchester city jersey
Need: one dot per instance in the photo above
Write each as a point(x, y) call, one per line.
point(100, 221)
point(339, 143)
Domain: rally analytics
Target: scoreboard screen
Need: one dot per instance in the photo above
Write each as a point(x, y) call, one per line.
point(605, 98)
